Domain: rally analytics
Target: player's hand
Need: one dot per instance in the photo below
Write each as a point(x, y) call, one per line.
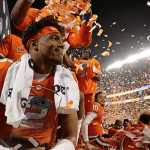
point(37, 148)
point(88, 146)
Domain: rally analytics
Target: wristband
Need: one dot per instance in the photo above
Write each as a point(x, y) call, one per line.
point(64, 144)
point(32, 1)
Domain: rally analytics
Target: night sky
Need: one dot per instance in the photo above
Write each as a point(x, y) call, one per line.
point(131, 17)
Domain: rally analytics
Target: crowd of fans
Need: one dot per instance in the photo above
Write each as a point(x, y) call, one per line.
point(124, 79)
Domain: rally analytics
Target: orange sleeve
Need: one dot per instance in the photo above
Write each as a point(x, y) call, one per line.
point(82, 38)
point(5, 45)
point(97, 65)
point(74, 76)
point(30, 17)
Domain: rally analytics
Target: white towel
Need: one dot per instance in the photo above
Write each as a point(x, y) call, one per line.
point(17, 86)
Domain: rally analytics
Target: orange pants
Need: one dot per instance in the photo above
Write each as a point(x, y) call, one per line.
point(88, 98)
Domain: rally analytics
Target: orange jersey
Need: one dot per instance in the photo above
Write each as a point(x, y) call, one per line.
point(12, 47)
point(5, 129)
point(124, 140)
point(112, 131)
point(75, 38)
point(40, 112)
point(95, 127)
point(127, 128)
point(88, 85)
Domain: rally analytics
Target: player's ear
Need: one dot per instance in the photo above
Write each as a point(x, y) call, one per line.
point(34, 44)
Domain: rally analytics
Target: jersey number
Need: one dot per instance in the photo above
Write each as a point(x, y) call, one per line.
point(95, 107)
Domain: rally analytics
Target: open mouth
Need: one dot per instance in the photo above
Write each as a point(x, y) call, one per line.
point(59, 50)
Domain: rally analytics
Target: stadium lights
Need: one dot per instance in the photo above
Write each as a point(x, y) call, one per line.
point(132, 58)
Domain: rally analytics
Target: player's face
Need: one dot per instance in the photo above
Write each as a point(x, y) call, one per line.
point(101, 99)
point(85, 54)
point(51, 47)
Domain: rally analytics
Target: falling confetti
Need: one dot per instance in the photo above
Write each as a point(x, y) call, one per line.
point(114, 23)
point(96, 45)
point(106, 53)
point(122, 29)
point(132, 35)
point(148, 3)
point(100, 32)
point(109, 43)
point(118, 42)
point(113, 51)
point(69, 104)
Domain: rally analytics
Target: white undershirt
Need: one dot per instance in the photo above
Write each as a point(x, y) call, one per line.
point(40, 77)
point(88, 119)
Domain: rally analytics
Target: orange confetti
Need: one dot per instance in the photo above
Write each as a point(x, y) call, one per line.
point(69, 104)
point(114, 23)
point(100, 32)
point(110, 25)
point(132, 35)
point(144, 25)
point(78, 19)
point(59, 18)
point(106, 53)
point(113, 51)
point(95, 17)
point(96, 45)
point(118, 42)
point(109, 44)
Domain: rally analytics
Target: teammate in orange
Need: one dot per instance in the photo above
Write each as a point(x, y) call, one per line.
point(116, 129)
point(45, 46)
point(22, 15)
point(11, 47)
point(88, 76)
point(92, 129)
point(127, 124)
point(138, 138)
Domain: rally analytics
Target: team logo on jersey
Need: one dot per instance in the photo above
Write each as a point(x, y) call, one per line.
point(40, 102)
point(59, 88)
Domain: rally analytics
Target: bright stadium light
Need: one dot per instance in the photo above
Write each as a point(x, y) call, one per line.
point(117, 64)
point(132, 58)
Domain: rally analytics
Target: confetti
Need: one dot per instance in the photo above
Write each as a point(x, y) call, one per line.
point(109, 43)
point(69, 104)
point(122, 29)
point(132, 35)
point(114, 23)
point(93, 28)
point(106, 53)
point(100, 32)
point(96, 45)
point(148, 3)
point(118, 42)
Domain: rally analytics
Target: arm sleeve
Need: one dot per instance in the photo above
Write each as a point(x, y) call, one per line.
point(85, 124)
point(82, 38)
point(30, 17)
point(5, 45)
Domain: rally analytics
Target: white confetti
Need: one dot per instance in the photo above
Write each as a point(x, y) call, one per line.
point(122, 29)
point(148, 3)
point(105, 35)
point(93, 28)
point(148, 37)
